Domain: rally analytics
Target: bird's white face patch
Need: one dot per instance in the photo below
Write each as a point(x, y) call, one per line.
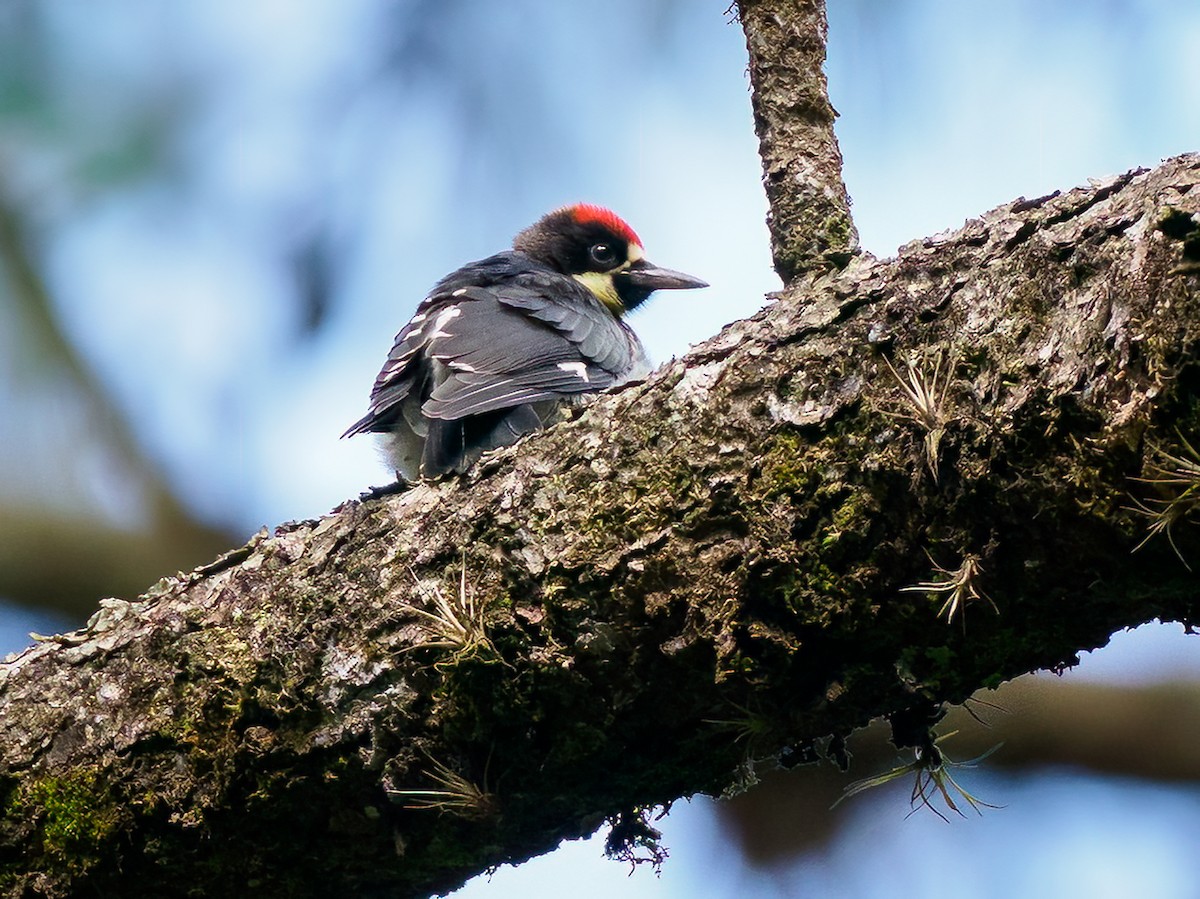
point(444, 317)
point(579, 369)
point(636, 253)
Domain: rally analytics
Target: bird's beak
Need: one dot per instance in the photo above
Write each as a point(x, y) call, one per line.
point(649, 277)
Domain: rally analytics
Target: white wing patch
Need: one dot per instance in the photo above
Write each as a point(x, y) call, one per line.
point(579, 369)
point(444, 317)
point(414, 326)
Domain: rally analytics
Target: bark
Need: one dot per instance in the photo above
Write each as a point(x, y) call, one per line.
point(703, 569)
point(810, 223)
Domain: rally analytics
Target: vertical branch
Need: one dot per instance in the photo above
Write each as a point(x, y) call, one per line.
point(811, 226)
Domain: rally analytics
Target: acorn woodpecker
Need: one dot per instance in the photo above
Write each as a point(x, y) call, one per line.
point(497, 347)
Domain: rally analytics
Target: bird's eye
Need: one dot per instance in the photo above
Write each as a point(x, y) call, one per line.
point(603, 254)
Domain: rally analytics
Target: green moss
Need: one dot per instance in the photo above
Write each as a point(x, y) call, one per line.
point(787, 467)
point(941, 657)
point(838, 234)
point(852, 517)
point(838, 230)
point(816, 594)
point(75, 815)
point(664, 494)
point(934, 670)
point(220, 651)
point(815, 519)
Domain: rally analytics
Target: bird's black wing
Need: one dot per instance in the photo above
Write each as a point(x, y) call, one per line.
point(537, 338)
point(497, 334)
point(397, 378)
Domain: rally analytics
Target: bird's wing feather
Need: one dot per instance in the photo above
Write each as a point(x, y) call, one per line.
point(498, 355)
point(395, 380)
point(490, 339)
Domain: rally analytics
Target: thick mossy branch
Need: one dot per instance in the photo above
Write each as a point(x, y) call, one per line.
point(696, 572)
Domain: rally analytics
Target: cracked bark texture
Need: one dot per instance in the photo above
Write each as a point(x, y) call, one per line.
point(695, 571)
point(809, 219)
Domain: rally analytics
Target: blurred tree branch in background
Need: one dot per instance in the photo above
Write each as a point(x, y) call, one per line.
point(65, 147)
point(1148, 732)
point(64, 558)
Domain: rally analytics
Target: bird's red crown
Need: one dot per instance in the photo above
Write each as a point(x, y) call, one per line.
point(583, 213)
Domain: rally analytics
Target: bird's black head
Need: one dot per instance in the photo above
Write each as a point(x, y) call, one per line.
point(596, 247)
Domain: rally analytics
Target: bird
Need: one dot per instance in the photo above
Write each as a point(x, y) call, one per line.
point(501, 345)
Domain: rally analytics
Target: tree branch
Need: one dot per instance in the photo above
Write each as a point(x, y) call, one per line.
point(810, 222)
point(1040, 722)
point(701, 570)
point(32, 544)
point(52, 559)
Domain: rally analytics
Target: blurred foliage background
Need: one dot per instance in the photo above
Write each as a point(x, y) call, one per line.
point(215, 215)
